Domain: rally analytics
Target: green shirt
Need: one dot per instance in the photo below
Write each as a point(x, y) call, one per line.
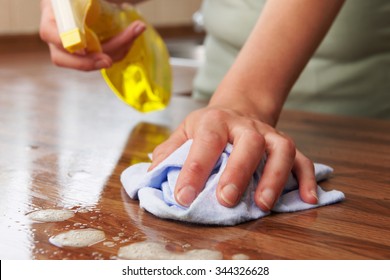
point(349, 73)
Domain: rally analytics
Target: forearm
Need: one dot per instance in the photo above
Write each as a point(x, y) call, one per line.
point(284, 38)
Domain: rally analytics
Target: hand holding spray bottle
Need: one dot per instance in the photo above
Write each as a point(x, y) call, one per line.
point(143, 77)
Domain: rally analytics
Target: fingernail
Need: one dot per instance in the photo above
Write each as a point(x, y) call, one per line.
point(151, 166)
point(139, 28)
point(267, 198)
point(100, 64)
point(314, 194)
point(186, 196)
point(230, 194)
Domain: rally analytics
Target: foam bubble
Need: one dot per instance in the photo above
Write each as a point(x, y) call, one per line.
point(51, 215)
point(240, 257)
point(109, 244)
point(78, 238)
point(157, 251)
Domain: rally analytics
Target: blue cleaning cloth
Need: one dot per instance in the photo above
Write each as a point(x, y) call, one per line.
point(155, 191)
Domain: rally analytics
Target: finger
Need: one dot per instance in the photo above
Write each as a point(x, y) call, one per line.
point(206, 148)
point(166, 148)
point(50, 35)
point(118, 46)
point(281, 155)
point(88, 62)
point(246, 155)
point(304, 171)
point(48, 27)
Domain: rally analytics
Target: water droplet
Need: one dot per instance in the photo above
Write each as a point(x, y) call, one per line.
point(32, 147)
point(157, 251)
point(78, 175)
point(50, 215)
point(240, 257)
point(109, 244)
point(78, 238)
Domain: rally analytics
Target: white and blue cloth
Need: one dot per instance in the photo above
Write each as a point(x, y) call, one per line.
point(155, 191)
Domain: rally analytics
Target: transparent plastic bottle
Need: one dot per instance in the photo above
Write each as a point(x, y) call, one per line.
point(143, 77)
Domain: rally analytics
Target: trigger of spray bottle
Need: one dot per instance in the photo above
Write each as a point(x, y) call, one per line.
point(143, 77)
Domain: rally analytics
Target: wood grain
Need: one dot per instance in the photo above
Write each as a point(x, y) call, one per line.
point(65, 139)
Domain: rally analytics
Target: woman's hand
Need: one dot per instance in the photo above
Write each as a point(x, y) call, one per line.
point(245, 108)
point(113, 50)
point(211, 128)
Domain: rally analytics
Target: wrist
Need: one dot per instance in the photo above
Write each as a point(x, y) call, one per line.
point(249, 103)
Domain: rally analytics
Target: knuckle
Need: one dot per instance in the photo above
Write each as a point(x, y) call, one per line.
point(212, 139)
point(252, 123)
point(255, 138)
point(56, 61)
point(288, 145)
point(238, 172)
point(277, 173)
point(159, 151)
point(305, 161)
point(86, 67)
point(215, 115)
point(195, 168)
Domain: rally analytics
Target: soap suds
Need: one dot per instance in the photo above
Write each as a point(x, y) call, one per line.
point(240, 257)
point(109, 244)
point(50, 215)
point(157, 251)
point(78, 238)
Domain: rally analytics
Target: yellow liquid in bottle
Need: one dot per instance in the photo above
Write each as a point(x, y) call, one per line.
point(143, 77)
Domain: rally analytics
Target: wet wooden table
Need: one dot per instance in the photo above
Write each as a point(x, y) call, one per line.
point(65, 139)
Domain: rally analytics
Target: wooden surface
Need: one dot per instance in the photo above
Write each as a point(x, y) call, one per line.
point(65, 139)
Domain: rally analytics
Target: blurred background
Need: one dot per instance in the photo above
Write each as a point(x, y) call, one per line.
point(178, 21)
point(22, 16)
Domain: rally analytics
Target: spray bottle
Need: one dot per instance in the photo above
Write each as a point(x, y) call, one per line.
point(143, 77)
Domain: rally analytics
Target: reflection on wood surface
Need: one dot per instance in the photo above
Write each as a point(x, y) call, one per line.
point(65, 139)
